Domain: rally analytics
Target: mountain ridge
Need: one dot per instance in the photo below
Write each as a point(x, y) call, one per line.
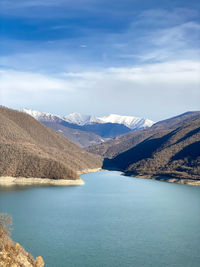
point(172, 155)
point(120, 144)
point(86, 130)
point(131, 122)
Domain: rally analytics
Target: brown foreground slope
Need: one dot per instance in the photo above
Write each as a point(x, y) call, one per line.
point(173, 154)
point(29, 149)
point(13, 254)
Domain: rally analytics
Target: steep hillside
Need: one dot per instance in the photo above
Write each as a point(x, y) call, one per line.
point(105, 130)
point(81, 138)
point(122, 143)
point(177, 121)
point(172, 154)
point(29, 149)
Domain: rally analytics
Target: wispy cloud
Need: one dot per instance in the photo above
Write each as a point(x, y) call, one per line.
point(12, 80)
point(149, 38)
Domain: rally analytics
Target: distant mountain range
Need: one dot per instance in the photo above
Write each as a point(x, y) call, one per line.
point(129, 121)
point(170, 148)
point(30, 149)
point(80, 119)
point(87, 130)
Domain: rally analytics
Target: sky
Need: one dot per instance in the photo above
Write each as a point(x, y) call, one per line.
point(128, 57)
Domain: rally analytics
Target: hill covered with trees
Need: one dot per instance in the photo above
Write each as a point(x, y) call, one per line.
point(29, 149)
point(173, 153)
point(122, 143)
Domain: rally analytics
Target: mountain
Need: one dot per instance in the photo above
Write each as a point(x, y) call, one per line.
point(172, 154)
point(81, 138)
point(82, 123)
point(42, 116)
point(80, 119)
point(128, 121)
point(104, 130)
point(30, 149)
point(72, 131)
point(131, 122)
point(122, 143)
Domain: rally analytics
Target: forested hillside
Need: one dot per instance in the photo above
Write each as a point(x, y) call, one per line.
point(29, 149)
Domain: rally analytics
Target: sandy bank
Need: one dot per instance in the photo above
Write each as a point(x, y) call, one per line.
point(9, 181)
point(184, 181)
point(89, 170)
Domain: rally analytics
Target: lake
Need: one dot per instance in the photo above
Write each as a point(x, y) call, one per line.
point(110, 221)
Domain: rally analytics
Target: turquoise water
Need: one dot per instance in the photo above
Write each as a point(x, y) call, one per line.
point(110, 221)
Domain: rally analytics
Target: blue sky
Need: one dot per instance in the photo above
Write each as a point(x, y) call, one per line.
point(97, 57)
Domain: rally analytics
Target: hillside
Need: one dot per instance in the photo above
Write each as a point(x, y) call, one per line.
point(122, 143)
point(29, 149)
point(104, 130)
point(173, 154)
point(81, 138)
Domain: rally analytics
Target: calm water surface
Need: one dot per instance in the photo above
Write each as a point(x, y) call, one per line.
point(110, 221)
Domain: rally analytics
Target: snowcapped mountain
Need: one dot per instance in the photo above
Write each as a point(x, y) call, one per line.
point(129, 121)
point(81, 119)
point(133, 123)
point(42, 116)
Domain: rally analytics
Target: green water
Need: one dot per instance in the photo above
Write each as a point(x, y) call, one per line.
point(110, 221)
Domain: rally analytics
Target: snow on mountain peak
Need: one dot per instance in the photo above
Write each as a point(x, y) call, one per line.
point(41, 116)
point(129, 121)
point(81, 119)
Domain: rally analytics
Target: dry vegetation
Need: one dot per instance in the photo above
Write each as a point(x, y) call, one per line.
point(122, 143)
point(12, 254)
point(81, 138)
point(29, 149)
point(172, 154)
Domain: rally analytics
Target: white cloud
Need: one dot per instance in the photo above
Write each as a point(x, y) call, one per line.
point(170, 87)
point(170, 72)
point(12, 80)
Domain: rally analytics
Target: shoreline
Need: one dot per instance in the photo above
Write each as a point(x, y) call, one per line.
point(10, 181)
point(89, 171)
point(175, 180)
